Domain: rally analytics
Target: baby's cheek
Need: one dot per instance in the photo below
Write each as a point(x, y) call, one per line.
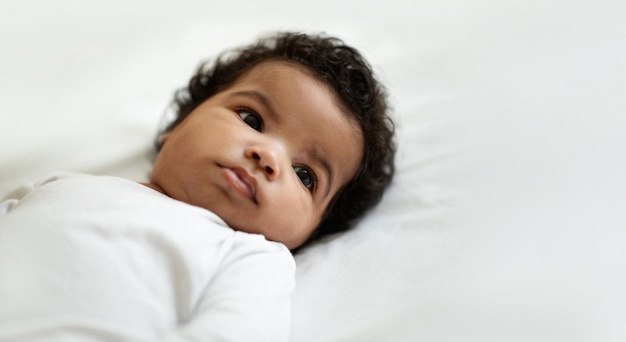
point(299, 233)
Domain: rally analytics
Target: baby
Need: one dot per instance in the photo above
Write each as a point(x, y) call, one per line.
point(274, 145)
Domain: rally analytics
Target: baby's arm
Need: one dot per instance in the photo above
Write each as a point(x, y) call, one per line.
point(249, 300)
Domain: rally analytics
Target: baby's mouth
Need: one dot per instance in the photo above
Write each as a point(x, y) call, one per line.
point(241, 181)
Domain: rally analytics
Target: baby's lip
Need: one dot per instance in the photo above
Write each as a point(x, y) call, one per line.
point(241, 181)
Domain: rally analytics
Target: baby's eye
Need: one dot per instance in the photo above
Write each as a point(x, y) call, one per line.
point(306, 175)
point(251, 118)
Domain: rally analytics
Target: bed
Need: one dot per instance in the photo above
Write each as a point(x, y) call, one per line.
point(507, 218)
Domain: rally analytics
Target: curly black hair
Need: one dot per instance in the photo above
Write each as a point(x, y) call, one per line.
point(349, 75)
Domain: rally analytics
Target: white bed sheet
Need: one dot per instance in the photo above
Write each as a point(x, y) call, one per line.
point(506, 220)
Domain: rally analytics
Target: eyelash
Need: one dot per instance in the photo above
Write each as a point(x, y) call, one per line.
point(252, 113)
point(260, 127)
point(311, 173)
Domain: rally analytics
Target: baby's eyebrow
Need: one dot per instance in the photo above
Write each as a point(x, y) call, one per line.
point(258, 96)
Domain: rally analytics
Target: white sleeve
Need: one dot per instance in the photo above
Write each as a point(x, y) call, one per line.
point(10, 200)
point(248, 300)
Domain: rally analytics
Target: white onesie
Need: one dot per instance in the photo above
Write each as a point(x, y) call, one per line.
point(96, 258)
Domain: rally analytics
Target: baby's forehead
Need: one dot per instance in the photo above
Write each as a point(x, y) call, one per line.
point(268, 69)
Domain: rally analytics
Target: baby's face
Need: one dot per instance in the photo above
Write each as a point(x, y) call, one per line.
point(267, 154)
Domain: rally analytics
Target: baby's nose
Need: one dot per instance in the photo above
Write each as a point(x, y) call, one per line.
point(267, 159)
point(263, 163)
